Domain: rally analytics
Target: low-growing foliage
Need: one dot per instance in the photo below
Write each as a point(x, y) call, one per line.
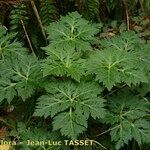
point(71, 104)
point(83, 80)
point(126, 115)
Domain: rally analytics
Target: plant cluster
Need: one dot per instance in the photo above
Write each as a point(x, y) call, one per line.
point(81, 80)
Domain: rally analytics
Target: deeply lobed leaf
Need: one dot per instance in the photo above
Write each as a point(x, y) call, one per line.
point(19, 78)
point(8, 46)
point(71, 104)
point(126, 115)
point(120, 63)
point(72, 31)
point(64, 63)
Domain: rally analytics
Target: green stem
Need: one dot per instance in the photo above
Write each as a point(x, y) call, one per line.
point(107, 130)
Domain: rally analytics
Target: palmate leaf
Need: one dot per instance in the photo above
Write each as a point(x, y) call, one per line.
point(126, 115)
point(72, 31)
point(71, 104)
point(19, 78)
point(8, 46)
point(112, 66)
point(63, 63)
point(128, 41)
point(126, 131)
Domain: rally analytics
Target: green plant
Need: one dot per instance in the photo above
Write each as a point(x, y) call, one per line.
point(72, 32)
point(20, 72)
point(20, 78)
point(67, 101)
point(72, 104)
point(19, 18)
point(126, 115)
point(66, 63)
point(9, 47)
point(48, 12)
point(119, 61)
point(85, 87)
point(26, 135)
